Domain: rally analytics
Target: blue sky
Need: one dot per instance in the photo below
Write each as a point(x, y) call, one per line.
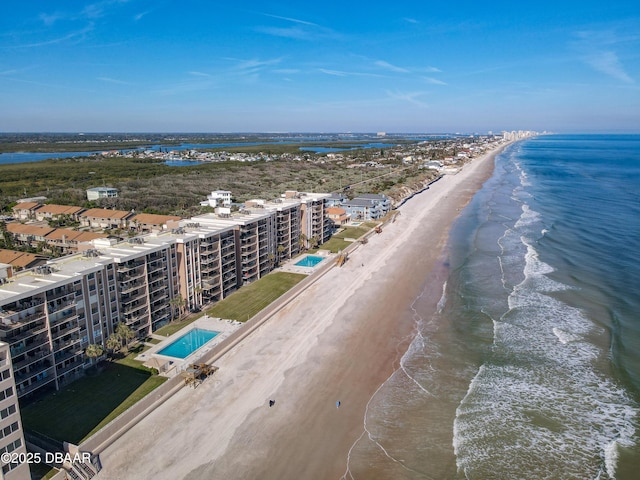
point(396, 66)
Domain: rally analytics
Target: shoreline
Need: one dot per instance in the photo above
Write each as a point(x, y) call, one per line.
point(303, 358)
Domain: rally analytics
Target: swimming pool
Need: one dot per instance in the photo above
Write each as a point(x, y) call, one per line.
point(309, 261)
point(188, 343)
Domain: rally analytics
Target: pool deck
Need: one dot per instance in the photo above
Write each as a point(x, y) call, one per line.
point(291, 267)
point(171, 366)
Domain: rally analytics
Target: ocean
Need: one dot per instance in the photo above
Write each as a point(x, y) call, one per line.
point(530, 366)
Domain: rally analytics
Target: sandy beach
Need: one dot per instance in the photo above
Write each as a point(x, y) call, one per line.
point(337, 341)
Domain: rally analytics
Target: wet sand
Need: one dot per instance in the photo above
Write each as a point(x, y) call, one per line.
point(338, 340)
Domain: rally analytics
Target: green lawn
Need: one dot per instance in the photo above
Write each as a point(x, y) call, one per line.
point(334, 245)
point(353, 232)
point(75, 412)
point(252, 298)
point(172, 328)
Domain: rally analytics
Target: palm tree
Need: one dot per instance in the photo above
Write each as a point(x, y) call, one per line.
point(303, 241)
point(113, 343)
point(125, 334)
point(281, 249)
point(198, 291)
point(94, 351)
point(178, 303)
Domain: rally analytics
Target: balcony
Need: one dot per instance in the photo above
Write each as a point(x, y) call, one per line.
point(134, 307)
point(62, 344)
point(42, 379)
point(157, 273)
point(135, 316)
point(208, 259)
point(11, 320)
point(157, 289)
point(57, 332)
point(63, 355)
point(53, 295)
point(53, 307)
point(131, 302)
point(30, 331)
point(210, 280)
point(35, 372)
point(29, 359)
point(209, 245)
point(126, 287)
point(79, 362)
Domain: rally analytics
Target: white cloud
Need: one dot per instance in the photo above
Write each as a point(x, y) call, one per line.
point(434, 81)
point(293, 20)
point(139, 16)
point(336, 73)
point(596, 48)
point(199, 74)
point(301, 30)
point(388, 66)
point(410, 97)
point(607, 62)
point(342, 73)
point(113, 80)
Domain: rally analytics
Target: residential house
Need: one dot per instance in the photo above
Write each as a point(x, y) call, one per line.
point(104, 218)
point(382, 202)
point(65, 241)
point(336, 199)
point(53, 212)
point(96, 193)
point(338, 216)
point(28, 235)
point(21, 260)
point(218, 198)
point(149, 222)
point(25, 210)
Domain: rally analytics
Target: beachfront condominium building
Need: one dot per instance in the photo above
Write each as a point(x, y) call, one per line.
point(315, 226)
point(50, 314)
point(146, 280)
point(11, 434)
point(207, 262)
point(256, 240)
point(288, 216)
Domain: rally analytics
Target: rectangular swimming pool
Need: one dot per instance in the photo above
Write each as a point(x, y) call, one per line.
point(188, 343)
point(309, 261)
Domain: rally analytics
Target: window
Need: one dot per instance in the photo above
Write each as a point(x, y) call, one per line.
point(6, 393)
point(11, 447)
point(8, 430)
point(5, 412)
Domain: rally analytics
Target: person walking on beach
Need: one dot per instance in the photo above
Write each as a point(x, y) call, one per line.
point(338, 404)
point(271, 403)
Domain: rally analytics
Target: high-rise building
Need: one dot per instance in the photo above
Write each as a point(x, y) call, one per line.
point(11, 436)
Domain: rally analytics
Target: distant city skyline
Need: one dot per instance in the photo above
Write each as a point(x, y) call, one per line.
point(407, 66)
